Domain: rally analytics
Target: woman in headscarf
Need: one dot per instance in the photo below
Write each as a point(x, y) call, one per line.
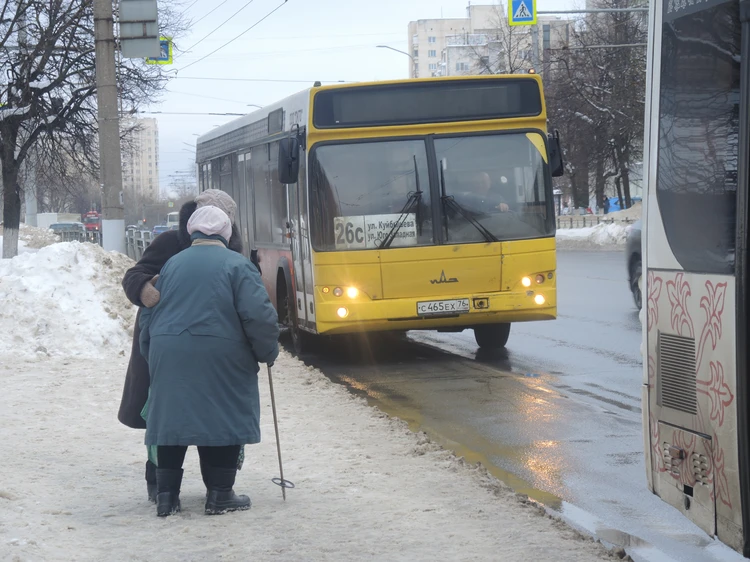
point(203, 341)
point(138, 284)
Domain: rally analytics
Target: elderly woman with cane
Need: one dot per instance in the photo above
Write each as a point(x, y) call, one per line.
point(203, 341)
point(138, 284)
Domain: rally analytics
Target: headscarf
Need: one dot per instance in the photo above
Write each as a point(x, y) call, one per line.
point(210, 221)
point(220, 199)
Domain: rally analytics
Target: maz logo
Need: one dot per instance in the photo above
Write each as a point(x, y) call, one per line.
point(443, 279)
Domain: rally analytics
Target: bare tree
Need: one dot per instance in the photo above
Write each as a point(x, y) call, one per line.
point(507, 48)
point(602, 81)
point(49, 96)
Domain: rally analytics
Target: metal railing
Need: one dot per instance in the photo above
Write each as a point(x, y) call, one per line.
point(584, 221)
point(136, 242)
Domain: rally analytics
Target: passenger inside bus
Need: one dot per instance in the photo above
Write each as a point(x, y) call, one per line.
point(482, 197)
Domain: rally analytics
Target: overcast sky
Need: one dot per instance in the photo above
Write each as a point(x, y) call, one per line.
point(304, 41)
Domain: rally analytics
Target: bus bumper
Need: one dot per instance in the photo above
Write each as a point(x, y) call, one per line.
point(365, 315)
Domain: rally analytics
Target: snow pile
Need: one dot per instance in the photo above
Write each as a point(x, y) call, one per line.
point(631, 215)
point(367, 488)
point(65, 300)
point(31, 238)
point(34, 237)
point(603, 234)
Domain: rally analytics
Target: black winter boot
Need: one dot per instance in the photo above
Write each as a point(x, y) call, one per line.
point(168, 482)
point(221, 497)
point(151, 481)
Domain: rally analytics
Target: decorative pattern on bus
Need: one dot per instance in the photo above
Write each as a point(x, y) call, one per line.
point(711, 381)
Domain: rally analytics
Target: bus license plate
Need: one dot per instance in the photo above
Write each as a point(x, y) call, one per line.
point(442, 307)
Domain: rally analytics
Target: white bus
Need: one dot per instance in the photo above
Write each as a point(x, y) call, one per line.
point(695, 243)
point(173, 220)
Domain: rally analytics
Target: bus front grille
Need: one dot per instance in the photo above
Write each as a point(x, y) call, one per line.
point(676, 386)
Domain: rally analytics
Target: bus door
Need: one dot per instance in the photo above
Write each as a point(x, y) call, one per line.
point(299, 236)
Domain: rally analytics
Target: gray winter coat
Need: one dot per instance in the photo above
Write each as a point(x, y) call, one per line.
point(214, 323)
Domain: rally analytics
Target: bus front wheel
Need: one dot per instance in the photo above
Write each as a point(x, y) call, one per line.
point(492, 335)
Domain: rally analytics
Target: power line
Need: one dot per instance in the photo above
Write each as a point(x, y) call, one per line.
point(188, 113)
point(206, 97)
point(258, 80)
point(214, 30)
point(210, 12)
point(269, 14)
point(245, 54)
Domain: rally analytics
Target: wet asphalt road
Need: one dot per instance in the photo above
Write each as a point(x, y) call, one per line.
point(557, 415)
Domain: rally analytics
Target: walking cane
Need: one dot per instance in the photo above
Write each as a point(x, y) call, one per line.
point(278, 481)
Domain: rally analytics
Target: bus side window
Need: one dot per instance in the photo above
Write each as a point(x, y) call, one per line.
point(262, 191)
point(278, 198)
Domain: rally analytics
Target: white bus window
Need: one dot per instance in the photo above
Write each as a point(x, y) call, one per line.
point(698, 135)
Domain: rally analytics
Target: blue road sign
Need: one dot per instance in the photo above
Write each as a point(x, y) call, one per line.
point(522, 12)
point(165, 52)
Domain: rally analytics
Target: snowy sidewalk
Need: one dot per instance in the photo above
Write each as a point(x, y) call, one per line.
point(72, 478)
point(72, 483)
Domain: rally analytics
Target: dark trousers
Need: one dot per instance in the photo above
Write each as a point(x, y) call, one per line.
point(172, 457)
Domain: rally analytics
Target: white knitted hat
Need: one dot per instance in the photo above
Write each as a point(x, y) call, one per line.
point(210, 220)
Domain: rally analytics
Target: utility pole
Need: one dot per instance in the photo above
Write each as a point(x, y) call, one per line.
point(110, 160)
point(545, 52)
point(29, 183)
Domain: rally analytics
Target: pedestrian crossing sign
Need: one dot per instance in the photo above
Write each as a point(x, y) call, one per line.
point(522, 12)
point(165, 52)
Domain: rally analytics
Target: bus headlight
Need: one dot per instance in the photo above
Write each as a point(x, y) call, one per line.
point(352, 292)
point(539, 279)
point(338, 291)
point(342, 312)
point(526, 282)
point(539, 299)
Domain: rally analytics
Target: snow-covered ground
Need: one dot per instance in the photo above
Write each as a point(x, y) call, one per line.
point(367, 487)
point(604, 234)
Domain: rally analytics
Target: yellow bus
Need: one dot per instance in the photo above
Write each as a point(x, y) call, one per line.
point(403, 205)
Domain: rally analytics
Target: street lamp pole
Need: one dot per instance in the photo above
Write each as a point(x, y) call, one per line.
point(413, 62)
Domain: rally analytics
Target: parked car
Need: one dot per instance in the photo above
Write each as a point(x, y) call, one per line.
point(68, 227)
point(635, 267)
point(158, 229)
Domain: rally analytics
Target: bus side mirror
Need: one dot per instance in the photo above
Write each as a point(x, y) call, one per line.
point(556, 163)
point(289, 160)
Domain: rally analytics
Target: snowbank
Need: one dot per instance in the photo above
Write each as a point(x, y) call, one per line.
point(367, 487)
point(65, 300)
point(632, 214)
point(603, 234)
point(31, 238)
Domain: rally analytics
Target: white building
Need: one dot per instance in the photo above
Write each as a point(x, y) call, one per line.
point(481, 43)
point(140, 160)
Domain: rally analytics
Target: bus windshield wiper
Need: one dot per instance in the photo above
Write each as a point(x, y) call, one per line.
point(414, 199)
point(449, 201)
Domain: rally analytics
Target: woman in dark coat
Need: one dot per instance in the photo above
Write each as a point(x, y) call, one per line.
point(203, 341)
point(138, 284)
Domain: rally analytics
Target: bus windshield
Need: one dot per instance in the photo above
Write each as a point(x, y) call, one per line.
point(359, 190)
point(492, 188)
point(498, 182)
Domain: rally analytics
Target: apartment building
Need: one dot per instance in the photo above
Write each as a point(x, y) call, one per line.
point(140, 160)
point(481, 43)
